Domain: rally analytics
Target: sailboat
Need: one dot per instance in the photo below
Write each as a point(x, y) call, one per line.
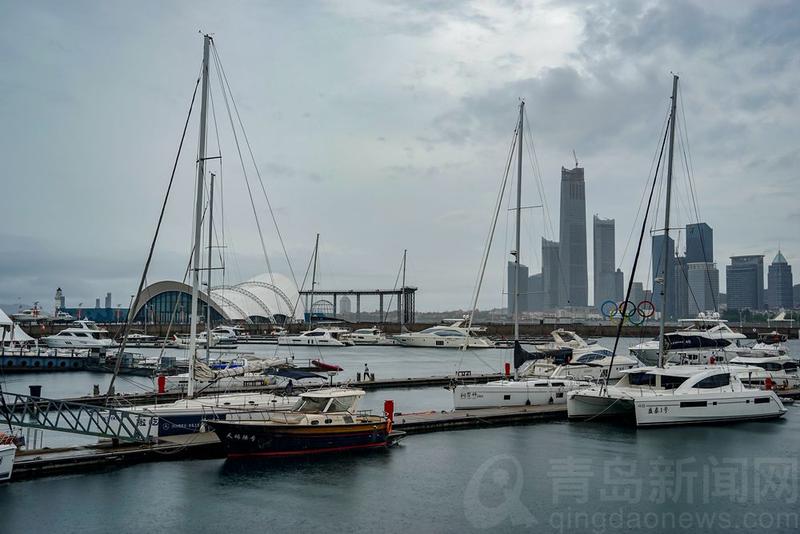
point(518, 392)
point(681, 394)
point(186, 415)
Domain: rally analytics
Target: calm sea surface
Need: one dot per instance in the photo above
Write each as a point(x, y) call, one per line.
point(554, 477)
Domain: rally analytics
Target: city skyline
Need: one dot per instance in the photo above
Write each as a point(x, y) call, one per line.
point(353, 130)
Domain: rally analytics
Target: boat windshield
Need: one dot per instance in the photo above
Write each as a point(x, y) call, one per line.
point(341, 404)
point(311, 404)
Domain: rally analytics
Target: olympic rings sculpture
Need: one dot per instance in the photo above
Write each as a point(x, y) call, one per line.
point(635, 314)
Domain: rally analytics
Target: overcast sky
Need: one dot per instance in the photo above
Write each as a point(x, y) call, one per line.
point(382, 126)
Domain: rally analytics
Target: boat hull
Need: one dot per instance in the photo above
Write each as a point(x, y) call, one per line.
point(271, 440)
point(591, 404)
point(712, 408)
point(441, 343)
point(7, 454)
point(309, 341)
point(508, 393)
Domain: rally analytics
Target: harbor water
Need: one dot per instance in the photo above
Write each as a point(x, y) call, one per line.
point(548, 477)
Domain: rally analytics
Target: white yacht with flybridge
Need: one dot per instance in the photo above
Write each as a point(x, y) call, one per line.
point(81, 334)
point(452, 336)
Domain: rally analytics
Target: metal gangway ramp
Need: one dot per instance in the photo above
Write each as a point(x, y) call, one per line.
point(76, 418)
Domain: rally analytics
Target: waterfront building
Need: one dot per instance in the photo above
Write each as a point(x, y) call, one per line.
point(703, 281)
point(699, 243)
point(59, 300)
point(523, 287)
point(681, 284)
point(779, 284)
point(603, 261)
point(574, 291)
point(744, 279)
point(796, 296)
point(663, 269)
point(108, 300)
point(97, 303)
point(551, 274)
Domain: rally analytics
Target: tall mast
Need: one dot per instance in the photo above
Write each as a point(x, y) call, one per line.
point(665, 252)
point(198, 217)
point(519, 217)
point(403, 295)
point(313, 283)
point(210, 242)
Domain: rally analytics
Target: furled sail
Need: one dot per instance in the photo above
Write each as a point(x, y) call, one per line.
point(203, 372)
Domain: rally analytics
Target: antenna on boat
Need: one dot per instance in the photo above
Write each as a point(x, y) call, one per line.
point(198, 216)
point(665, 253)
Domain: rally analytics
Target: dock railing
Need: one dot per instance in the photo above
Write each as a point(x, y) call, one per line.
point(75, 418)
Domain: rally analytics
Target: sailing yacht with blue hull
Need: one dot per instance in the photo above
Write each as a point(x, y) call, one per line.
point(323, 421)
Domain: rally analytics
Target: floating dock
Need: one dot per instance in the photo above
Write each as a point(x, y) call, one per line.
point(46, 462)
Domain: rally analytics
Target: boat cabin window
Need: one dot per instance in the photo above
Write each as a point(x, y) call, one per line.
point(449, 333)
point(769, 366)
point(309, 334)
point(672, 382)
point(642, 379)
point(341, 404)
point(592, 356)
point(311, 404)
point(714, 381)
point(790, 367)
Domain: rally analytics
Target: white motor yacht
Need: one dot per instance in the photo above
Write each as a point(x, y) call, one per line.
point(321, 337)
point(680, 394)
point(523, 392)
point(367, 336)
point(768, 372)
point(706, 333)
point(454, 336)
point(7, 453)
point(80, 334)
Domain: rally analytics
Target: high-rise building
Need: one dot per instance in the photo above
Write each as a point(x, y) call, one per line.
point(663, 269)
point(619, 285)
point(572, 239)
point(97, 303)
point(699, 243)
point(681, 285)
point(551, 274)
point(744, 279)
point(535, 292)
point(637, 293)
point(59, 299)
point(779, 284)
point(345, 306)
point(108, 301)
point(523, 287)
point(703, 287)
point(603, 261)
point(796, 296)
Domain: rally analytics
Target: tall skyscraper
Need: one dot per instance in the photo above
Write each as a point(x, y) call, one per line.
point(108, 301)
point(637, 293)
point(744, 279)
point(535, 292)
point(681, 286)
point(699, 243)
point(663, 269)
point(779, 284)
point(59, 299)
point(551, 274)
point(703, 287)
point(572, 239)
point(523, 287)
point(619, 285)
point(604, 264)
